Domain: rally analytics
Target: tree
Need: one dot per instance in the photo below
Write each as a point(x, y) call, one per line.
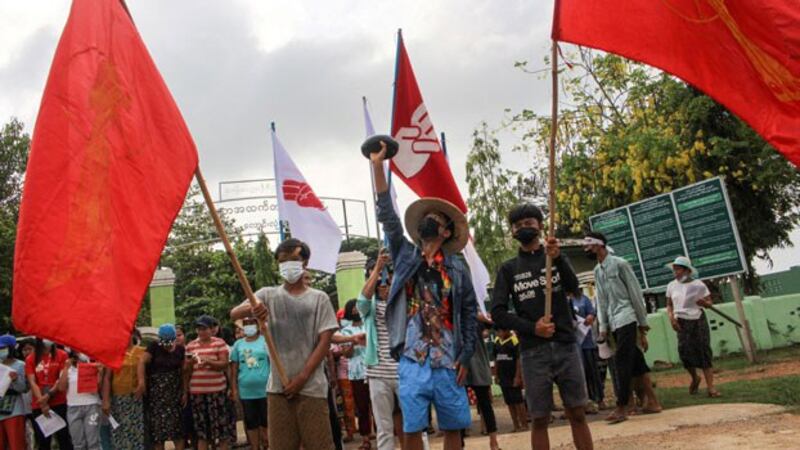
point(630, 132)
point(205, 282)
point(493, 191)
point(14, 149)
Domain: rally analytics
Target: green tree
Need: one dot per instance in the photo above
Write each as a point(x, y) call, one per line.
point(493, 191)
point(14, 148)
point(629, 132)
point(205, 282)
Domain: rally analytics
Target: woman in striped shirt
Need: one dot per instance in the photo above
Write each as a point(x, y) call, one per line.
point(206, 365)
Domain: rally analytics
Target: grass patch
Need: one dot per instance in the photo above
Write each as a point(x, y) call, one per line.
point(739, 362)
point(780, 391)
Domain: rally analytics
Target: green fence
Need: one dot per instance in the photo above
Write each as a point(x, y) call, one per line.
point(774, 321)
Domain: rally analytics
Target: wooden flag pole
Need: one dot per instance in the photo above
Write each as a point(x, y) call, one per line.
point(551, 200)
point(274, 358)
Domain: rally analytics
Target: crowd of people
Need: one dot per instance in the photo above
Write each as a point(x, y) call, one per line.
point(413, 343)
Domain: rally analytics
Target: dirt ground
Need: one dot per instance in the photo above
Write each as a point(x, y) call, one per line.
point(719, 426)
point(773, 370)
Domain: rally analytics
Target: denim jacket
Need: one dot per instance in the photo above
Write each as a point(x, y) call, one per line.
point(407, 258)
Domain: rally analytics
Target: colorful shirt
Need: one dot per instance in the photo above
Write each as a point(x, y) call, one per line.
point(47, 372)
point(206, 380)
point(356, 369)
point(252, 360)
point(429, 333)
point(619, 297)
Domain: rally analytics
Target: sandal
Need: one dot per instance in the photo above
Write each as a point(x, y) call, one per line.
point(614, 419)
point(714, 394)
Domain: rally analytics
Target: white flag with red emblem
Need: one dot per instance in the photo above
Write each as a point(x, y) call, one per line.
point(308, 218)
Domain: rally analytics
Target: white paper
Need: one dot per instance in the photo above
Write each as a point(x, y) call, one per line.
point(50, 425)
point(114, 424)
point(605, 350)
point(5, 379)
point(582, 329)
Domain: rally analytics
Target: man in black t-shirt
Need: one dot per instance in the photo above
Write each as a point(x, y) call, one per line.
point(549, 351)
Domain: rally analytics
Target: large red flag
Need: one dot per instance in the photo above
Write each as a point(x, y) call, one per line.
point(419, 162)
point(111, 161)
point(744, 54)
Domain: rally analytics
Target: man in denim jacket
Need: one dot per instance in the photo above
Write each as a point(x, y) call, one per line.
point(431, 311)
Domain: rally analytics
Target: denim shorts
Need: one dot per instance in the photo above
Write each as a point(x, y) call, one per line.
point(548, 363)
point(421, 386)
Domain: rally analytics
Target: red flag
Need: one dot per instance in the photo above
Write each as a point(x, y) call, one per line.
point(745, 55)
point(420, 161)
point(111, 161)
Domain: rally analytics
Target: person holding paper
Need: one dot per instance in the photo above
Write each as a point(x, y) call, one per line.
point(686, 298)
point(12, 386)
point(586, 313)
point(43, 368)
point(81, 380)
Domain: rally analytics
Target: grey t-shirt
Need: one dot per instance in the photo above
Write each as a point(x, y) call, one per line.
point(295, 324)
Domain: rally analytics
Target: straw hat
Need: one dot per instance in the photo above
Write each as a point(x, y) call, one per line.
point(684, 262)
point(422, 207)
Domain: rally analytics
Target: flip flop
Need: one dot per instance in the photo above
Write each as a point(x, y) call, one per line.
point(714, 394)
point(617, 419)
point(650, 411)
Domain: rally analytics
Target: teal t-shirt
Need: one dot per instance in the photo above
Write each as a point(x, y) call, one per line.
point(253, 361)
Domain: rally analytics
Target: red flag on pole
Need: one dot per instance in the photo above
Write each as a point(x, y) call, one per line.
point(745, 55)
point(111, 161)
point(419, 162)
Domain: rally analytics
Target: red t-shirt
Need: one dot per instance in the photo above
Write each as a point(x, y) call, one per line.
point(47, 373)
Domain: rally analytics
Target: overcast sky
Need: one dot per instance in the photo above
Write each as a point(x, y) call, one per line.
point(233, 66)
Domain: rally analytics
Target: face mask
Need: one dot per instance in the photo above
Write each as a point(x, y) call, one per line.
point(526, 235)
point(3, 353)
point(291, 271)
point(428, 228)
point(683, 278)
point(590, 254)
point(250, 330)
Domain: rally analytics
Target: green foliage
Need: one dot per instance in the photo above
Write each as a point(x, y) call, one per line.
point(205, 282)
point(628, 132)
point(493, 191)
point(365, 245)
point(14, 148)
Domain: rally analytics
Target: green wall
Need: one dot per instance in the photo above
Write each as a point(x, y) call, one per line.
point(775, 322)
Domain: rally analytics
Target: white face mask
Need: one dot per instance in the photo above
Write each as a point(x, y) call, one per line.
point(3, 353)
point(683, 278)
point(250, 330)
point(291, 271)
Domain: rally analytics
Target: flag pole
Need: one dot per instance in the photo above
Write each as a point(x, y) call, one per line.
point(248, 291)
point(551, 200)
point(372, 184)
point(281, 233)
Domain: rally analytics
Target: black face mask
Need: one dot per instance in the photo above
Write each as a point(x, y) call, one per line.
point(526, 235)
point(590, 254)
point(428, 228)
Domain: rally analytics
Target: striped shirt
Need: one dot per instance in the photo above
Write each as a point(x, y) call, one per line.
point(206, 380)
point(386, 367)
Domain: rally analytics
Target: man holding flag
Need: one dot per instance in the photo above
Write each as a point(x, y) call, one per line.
point(431, 311)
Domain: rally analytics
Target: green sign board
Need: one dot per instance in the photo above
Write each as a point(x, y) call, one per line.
point(694, 221)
